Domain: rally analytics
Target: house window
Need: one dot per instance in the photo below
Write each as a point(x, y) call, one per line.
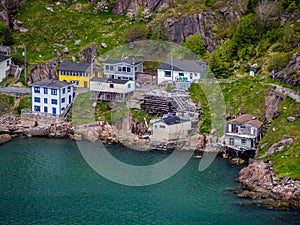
point(45, 109)
point(129, 85)
point(53, 91)
point(119, 68)
point(63, 100)
point(53, 101)
point(106, 67)
point(162, 126)
point(181, 74)
point(111, 68)
point(124, 69)
point(69, 89)
point(36, 89)
point(45, 100)
point(37, 108)
point(64, 90)
point(229, 127)
point(191, 76)
point(130, 78)
point(75, 82)
point(167, 73)
point(111, 85)
point(45, 91)
point(37, 99)
point(244, 141)
point(63, 109)
point(7, 63)
point(128, 69)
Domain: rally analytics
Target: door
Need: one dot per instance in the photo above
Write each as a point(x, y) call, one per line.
point(70, 99)
point(54, 111)
point(231, 141)
point(96, 74)
point(85, 84)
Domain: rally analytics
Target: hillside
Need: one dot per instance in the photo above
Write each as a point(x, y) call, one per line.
point(229, 35)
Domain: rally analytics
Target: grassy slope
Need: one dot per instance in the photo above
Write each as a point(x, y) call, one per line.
point(286, 162)
point(6, 104)
point(239, 98)
point(47, 28)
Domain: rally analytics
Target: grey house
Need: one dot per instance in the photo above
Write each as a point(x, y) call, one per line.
point(122, 69)
point(243, 132)
point(169, 133)
point(181, 70)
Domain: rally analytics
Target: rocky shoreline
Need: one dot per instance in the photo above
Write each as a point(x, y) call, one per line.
point(258, 179)
point(260, 182)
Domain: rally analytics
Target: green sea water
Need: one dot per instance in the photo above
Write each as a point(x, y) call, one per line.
point(47, 181)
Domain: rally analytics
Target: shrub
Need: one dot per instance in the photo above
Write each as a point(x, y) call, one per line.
point(277, 61)
point(195, 44)
point(136, 32)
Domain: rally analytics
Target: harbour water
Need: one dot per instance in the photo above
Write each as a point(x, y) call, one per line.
point(47, 181)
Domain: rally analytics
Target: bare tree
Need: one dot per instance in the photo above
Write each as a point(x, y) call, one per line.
point(266, 9)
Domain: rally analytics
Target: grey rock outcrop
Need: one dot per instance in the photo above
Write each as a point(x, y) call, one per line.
point(89, 53)
point(132, 6)
point(43, 71)
point(272, 101)
point(7, 11)
point(178, 30)
point(260, 182)
point(290, 74)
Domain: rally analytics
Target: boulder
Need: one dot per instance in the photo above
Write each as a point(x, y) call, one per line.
point(4, 138)
point(291, 119)
point(23, 30)
point(77, 42)
point(103, 45)
point(89, 53)
point(43, 71)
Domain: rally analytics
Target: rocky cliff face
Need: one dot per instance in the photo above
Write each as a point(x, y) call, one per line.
point(206, 24)
point(8, 8)
point(125, 6)
point(43, 71)
point(290, 74)
point(261, 182)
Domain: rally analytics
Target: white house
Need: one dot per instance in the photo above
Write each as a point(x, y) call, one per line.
point(5, 62)
point(108, 89)
point(51, 96)
point(122, 69)
point(243, 132)
point(181, 70)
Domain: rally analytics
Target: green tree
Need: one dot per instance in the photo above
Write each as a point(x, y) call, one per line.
point(245, 38)
point(195, 44)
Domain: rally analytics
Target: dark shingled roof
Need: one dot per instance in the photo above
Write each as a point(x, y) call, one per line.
point(77, 67)
point(51, 83)
point(184, 65)
point(3, 57)
point(172, 120)
point(129, 61)
point(109, 80)
point(247, 119)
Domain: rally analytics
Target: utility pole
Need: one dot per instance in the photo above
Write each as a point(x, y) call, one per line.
point(25, 55)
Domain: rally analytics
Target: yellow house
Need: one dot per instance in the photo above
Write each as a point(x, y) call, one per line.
point(77, 73)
